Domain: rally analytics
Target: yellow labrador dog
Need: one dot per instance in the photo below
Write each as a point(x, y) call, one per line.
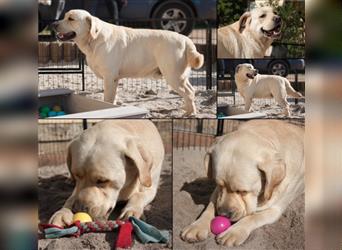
point(259, 171)
point(251, 85)
point(251, 36)
point(115, 52)
point(118, 160)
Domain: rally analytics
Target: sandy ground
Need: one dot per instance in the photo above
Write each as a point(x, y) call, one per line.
point(267, 106)
point(55, 186)
point(191, 194)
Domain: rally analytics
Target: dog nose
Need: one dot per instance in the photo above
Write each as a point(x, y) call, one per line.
point(277, 19)
point(256, 72)
point(228, 214)
point(79, 207)
point(54, 25)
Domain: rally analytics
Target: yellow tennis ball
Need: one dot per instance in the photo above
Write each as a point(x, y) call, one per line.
point(82, 217)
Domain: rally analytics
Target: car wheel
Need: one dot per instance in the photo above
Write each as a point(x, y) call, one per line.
point(278, 67)
point(174, 10)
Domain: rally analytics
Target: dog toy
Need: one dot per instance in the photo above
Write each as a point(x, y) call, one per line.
point(52, 113)
point(45, 111)
point(144, 232)
point(219, 224)
point(57, 108)
point(82, 217)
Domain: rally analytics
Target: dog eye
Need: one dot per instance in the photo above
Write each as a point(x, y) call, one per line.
point(263, 16)
point(101, 182)
point(242, 192)
point(71, 19)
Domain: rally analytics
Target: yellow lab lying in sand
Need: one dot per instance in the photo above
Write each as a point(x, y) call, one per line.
point(113, 161)
point(259, 171)
point(115, 52)
point(251, 85)
point(251, 36)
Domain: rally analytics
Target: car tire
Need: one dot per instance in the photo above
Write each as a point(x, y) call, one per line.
point(279, 67)
point(170, 10)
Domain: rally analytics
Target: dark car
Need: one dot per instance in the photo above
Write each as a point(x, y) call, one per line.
point(281, 67)
point(155, 10)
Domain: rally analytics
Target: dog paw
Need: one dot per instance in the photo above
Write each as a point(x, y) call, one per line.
point(195, 233)
point(190, 114)
point(62, 217)
point(131, 212)
point(234, 236)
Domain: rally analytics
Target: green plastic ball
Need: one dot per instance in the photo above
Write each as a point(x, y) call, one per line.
point(43, 115)
point(44, 109)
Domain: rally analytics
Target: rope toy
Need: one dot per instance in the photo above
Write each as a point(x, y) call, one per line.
point(143, 231)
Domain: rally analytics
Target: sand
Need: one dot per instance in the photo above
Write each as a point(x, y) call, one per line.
point(54, 187)
point(191, 193)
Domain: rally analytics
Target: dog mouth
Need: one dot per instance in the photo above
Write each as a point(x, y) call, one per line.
point(66, 36)
point(109, 211)
point(273, 33)
point(250, 76)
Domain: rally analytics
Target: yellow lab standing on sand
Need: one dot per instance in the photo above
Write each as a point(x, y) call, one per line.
point(251, 85)
point(115, 52)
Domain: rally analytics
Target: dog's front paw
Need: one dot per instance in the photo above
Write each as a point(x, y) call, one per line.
point(195, 232)
point(131, 212)
point(234, 236)
point(62, 217)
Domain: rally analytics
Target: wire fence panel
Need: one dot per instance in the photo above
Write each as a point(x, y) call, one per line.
point(200, 133)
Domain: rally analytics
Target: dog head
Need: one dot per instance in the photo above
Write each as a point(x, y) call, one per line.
point(103, 166)
point(262, 22)
point(245, 174)
point(77, 25)
point(246, 71)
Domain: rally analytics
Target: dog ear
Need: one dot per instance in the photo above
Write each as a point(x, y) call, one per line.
point(94, 26)
point(275, 171)
point(209, 159)
point(69, 161)
point(208, 164)
point(142, 159)
point(237, 68)
point(243, 21)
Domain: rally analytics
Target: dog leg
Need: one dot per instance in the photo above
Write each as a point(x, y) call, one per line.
point(248, 103)
point(240, 231)
point(137, 202)
point(188, 93)
point(199, 230)
point(285, 105)
point(183, 87)
point(110, 87)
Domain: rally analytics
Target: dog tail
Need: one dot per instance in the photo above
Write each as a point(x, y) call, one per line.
point(290, 91)
point(195, 59)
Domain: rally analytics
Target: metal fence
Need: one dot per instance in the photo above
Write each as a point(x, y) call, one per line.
point(63, 65)
point(54, 137)
point(200, 133)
